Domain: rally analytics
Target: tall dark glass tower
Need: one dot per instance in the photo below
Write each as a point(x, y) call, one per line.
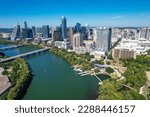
point(25, 25)
point(64, 27)
point(34, 31)
point(78, 27)
point(45, 31)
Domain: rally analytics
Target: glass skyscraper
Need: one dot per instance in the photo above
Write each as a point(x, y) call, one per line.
point(64, 27)
point(78, 27)
point(25, 25)
point(45, 31)
point(34, 31)
point(16, 33)
point(102, 38)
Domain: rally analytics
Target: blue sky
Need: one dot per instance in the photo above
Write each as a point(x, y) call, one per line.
point(92, 12)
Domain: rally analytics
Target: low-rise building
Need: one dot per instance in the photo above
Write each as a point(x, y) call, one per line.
point(98, 53)
point(82, 50)
point(62, 44)
point(121, 53)
point(140, 46)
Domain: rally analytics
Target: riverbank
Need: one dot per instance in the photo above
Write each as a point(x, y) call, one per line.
point(81, 64)
point(29, 44)
point(20, 77)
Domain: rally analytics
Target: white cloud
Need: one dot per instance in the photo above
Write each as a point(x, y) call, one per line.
point(117, 17)
point(142, 14)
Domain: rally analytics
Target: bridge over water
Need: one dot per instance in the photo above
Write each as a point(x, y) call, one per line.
point(10, 47)
point(24, 55)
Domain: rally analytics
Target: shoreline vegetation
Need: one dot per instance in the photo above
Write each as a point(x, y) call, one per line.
point(112, 89)
point(128, 88)
point(20, 77)
point(8, 42)
point(76, 60)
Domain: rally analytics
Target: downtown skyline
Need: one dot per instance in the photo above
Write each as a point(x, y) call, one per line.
point(93, 12)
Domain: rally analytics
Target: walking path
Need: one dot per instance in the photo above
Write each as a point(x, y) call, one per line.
point(148, 75)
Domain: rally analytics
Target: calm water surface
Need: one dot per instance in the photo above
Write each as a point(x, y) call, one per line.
point(54, 79)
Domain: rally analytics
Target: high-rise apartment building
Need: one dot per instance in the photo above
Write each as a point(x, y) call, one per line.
point(102, 38)
point(64, 27)
point(77, 40)
point(70, 35)
point(148, 34)
point(145, 33)
point(56, 34)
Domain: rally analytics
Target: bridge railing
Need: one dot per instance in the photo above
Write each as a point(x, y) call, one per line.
point(23, 55)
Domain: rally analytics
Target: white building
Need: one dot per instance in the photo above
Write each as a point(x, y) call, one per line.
point(145, 33)
point(140, 45)
point(88, 44)
point(98, 53)
point(102, 38)
point(77, 40)
point(82, 50)
point(62, 44)
point(6, 35)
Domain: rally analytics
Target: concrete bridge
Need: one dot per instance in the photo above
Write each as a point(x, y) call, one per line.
point(10, 47)
point(24, 55)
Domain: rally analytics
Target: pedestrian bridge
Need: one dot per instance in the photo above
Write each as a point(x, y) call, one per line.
point(10, 47)
point(24, 55)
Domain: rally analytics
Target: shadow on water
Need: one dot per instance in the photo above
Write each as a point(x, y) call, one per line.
point(35, 55)
point(92, 96)
point(104, 77)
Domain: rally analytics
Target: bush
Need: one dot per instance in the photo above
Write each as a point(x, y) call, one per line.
point(109, 70)
point(96, 70)
point(108, 62)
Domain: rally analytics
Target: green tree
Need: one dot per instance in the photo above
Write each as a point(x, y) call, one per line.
point(108, 63)
point(109, 91)
point(109, 70)
point(112, 90)
point(135, 75)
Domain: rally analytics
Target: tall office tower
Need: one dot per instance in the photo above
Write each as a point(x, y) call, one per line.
point(77, 40)
point(34, 31)
point(148, 34)
point(30, 33)
point(56, 35)
point(26, 33)
point(78, 27)
point(45, 31)
point(102, 38)
point(88, 33)
point(16, 33)
point(25, 25)
point(143, 33)
point(70, 35)
point(39, 32)
point(84, 32)
point(64, 27)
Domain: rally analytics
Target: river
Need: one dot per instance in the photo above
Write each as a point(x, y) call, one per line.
point(54, 79)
